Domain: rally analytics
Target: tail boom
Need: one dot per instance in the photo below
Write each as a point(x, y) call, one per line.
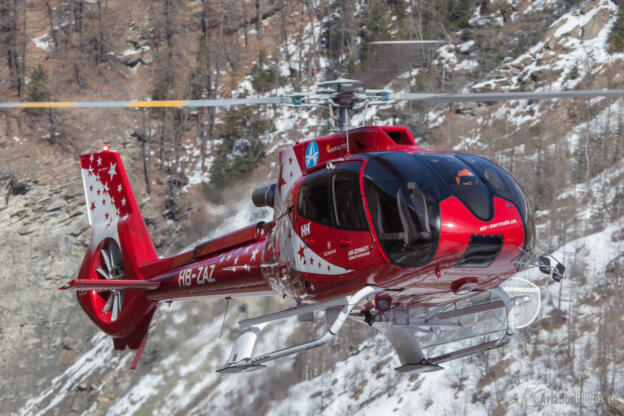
point(121, 279)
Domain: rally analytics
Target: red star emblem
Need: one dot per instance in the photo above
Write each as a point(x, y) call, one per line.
point(106, 215)
point(281, 182)
point(290, 160)
point(98, 192)
point(311, 260)
point(103, 202)
point(301, 252)
point(92, 206)
point(328, 268)
point(91, 188)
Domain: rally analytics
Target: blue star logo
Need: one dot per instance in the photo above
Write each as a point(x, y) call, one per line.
point(311, 155)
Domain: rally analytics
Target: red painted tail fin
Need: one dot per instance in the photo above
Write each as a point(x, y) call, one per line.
point(112, 209)
point(120, 244)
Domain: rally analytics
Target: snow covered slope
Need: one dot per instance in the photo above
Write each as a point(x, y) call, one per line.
point(569, 361)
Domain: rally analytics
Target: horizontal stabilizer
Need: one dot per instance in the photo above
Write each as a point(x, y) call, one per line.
point(101, 284)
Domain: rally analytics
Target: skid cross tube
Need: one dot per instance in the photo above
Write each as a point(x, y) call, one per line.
point(410, 352)
point(241, 358)
point(298, 310)
point(509, 332)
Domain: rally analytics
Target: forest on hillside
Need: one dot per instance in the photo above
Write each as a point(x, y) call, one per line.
point(204, 49)
point(192, 170)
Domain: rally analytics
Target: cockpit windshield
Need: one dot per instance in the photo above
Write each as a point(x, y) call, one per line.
point(403, 192)
point(464, 183)
point(403, 197)
point(505, 187)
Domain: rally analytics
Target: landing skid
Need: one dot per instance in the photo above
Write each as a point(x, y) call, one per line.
point(242, 358)
point(495, 313)
point(419, 368)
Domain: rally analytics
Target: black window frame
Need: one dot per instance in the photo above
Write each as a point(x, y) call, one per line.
point(396, 171)
point(329, 175)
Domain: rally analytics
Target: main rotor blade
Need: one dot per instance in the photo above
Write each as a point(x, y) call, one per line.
point(506, 96)
point(372, 77)
point(149, 104)
point(407, 42)
point(392, 58)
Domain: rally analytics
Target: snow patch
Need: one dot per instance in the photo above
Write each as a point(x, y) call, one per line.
point(42, 42)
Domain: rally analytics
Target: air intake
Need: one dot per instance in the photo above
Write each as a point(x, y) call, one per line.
point(482, 251)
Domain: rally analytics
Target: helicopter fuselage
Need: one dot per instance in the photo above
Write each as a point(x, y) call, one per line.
point(428, 227)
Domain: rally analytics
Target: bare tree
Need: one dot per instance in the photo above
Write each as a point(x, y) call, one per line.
point(53, 31)
point(258, 20)
point(99, 55)
point(13, 41)
point(245, 23)
point(145, 137)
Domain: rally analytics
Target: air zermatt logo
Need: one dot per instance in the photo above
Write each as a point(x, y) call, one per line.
point(311, 155)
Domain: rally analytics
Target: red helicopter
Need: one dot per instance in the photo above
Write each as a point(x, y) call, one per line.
point(367, 225)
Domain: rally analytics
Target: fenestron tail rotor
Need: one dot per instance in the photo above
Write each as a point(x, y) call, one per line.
point(112, 268)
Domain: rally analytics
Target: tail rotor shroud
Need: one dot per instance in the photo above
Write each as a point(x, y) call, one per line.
point(111, 269)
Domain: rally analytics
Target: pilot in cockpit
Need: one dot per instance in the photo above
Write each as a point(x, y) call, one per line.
point(466, 178)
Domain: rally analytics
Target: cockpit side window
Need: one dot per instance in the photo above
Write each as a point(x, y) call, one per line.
point(315, 200)
point(347, 198)
point(333, 198)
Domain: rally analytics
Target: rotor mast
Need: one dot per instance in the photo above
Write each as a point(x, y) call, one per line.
point(343, 119)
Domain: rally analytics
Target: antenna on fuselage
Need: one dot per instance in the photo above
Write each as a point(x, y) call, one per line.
point(347, 130)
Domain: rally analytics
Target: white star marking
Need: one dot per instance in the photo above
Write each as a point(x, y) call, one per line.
point(236, 261)
point(111, 170)
point(91, 158)
point(119, 188)
point(123, 202)
point(99, 160)
point(253, 254)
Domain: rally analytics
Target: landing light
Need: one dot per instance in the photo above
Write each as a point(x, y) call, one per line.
point(105, 148)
